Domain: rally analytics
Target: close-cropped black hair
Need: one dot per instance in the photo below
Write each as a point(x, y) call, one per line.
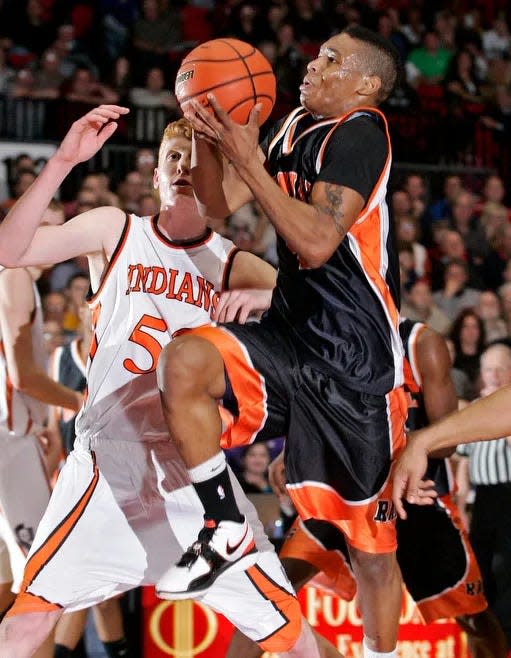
point(383, 59)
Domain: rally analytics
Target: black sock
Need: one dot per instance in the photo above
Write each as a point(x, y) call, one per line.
point(60, 651)
point(117, 649)
point(217, 496)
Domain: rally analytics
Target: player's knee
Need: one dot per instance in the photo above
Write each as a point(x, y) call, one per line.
point(186, 364)
point(377, 568)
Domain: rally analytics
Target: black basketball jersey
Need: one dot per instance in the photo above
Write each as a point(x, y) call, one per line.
point(342, 316)
point(68, 369)
point(438, 469)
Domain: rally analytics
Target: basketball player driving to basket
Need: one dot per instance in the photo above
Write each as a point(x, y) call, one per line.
point(124, 492)
point(324, 366)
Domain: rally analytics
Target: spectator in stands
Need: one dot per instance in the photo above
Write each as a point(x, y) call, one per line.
point(309, 22)
point(444, 26)
point(22, 181)
point(420, 306)
point(464, 389)
point(22, 85)
point(130, 190)
point(414, 29)
point(455, 295)
point(273, 18)
point(407, 233)
point(469, 339)
point(465, 223)
point(244, 23)
point(489, 310)
point(494, 216)
point(54, 306)
point(442, 209)
point(497, 40)
point(464, 103)
point(53, 336)
point(428, 63)
point(253, 475)
point(98, 183)
point(84, 88)
point(145, 162)
point(493, 190)
point(30, 31)
point(48, 78)
point(289, 67)
point(505, 300)
point(155, 34)
point(497, 259)
point(120, 78)
point(155, 92)
point(76, 292)
point(389, 31)
point(407, 274)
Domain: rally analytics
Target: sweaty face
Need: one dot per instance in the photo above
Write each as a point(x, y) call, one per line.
point(173, 177)
point(335, 78)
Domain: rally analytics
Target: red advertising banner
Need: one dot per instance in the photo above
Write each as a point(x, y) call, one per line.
point(187, 629)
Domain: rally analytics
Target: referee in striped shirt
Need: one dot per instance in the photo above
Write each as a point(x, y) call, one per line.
point(487, 467)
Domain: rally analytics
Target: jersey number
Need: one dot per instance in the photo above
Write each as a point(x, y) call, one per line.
point(148, 342)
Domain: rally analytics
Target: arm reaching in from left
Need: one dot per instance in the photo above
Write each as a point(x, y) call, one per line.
point(238, 305)
point(85, 137)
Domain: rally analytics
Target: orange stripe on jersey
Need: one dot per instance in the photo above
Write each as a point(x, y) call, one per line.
point(113, 258)
point(246, 382)
point(285, 603)
point(300, 544)
point(26, 602)
point(359, 520)
point(44, 553)
point(466, 597)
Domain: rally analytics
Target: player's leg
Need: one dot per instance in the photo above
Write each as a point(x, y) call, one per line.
point(441, 573)
point(192, 379)
point(338, 458)
point(21, 636)
point(68, 633)
point(110, 628)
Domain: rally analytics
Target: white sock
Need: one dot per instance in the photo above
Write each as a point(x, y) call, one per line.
point(208, 469)
point(369, 653)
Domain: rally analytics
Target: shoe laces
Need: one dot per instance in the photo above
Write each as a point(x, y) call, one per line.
point(199, 548)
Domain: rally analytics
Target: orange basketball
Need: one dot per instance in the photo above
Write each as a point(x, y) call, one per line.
point(236, 72)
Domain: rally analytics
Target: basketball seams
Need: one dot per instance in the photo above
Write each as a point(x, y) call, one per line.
point(249, 72)
point(252, 78)
point(206, 90)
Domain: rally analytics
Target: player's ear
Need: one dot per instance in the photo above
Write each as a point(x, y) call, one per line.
point(370, 85)
point(156, 178)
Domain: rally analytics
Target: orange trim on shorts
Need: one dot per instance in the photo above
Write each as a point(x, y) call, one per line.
point(26, 602)
point(315, 500)
point(247, 384)
point(49, 548)
point(466, 597)
point(302, 545)
point(285, 603)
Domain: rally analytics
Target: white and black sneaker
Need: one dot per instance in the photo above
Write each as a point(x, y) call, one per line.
point(222, 546)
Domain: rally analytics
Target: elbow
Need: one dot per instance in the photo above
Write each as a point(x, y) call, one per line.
point(315, 255)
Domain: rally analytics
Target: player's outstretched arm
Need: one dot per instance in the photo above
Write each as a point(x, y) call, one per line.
point(85, 137)
point(485, 419)
point(312, 230)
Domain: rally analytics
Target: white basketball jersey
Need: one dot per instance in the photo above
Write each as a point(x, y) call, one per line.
point(151, 289)
point(19, 413)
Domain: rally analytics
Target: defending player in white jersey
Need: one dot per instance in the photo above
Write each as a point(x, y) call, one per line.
point(123, 497)
point(25, 392)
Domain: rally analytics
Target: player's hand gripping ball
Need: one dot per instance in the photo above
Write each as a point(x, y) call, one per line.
point(234, 71)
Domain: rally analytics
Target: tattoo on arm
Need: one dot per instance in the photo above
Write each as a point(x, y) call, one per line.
point(333, 207)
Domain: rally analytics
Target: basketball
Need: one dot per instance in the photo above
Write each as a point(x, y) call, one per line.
point(237, 73)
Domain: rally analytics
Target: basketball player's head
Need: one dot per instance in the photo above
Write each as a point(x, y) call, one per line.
point(353, 69)
point(172, 175)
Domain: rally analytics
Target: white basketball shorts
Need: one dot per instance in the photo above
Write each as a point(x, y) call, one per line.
point(119, 515)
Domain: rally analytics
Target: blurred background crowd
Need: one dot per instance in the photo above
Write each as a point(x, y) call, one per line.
point(450, 119)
